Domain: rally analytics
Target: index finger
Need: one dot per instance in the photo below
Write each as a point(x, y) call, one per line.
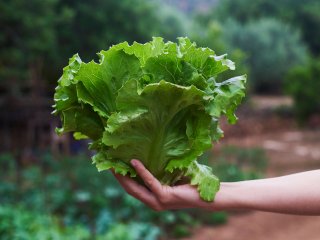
point(138, 191)
point(151, 182)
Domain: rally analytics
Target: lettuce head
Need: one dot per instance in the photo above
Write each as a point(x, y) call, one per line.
point(159, 102)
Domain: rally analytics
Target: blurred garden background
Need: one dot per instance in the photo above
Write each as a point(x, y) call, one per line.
point(48, 187)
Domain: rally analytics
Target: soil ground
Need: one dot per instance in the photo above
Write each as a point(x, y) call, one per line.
point(266, 123)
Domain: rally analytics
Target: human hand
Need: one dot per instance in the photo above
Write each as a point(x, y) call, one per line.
point(271, 194)
point(160, 197)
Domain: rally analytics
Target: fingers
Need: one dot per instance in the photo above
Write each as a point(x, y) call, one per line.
point(138, 191)
point(158, 198)
point(151, 182)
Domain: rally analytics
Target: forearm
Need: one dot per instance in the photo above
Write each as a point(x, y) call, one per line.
point(294, 194)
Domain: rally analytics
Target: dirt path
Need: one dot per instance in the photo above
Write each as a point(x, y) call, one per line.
point(263, 226)
point(289, 150)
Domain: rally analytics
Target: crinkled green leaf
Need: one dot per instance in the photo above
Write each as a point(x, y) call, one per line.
point(143, 51)
point(215, 130)
point(202, 176)
point(103, 162)
point(65, 95)
point(70, 71)
point(158, 132)
point(198, 134)
point(226, 96)
point(83, 121)
point(157, 102)
point(101, 81)
point(204, 59)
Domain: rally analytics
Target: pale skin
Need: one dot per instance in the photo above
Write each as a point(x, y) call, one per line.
point(292, 194)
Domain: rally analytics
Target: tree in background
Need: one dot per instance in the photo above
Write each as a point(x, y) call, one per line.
point(98, 24)
point(37, 37)
point(303, 84)
point(269, 31)
point(304, 15)
point(272, 49)
point(36, 40)
point(27, 38)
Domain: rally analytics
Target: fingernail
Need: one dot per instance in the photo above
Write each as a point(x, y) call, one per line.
point(134, 162)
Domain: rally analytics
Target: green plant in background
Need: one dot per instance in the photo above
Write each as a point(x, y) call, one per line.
point(20, 59)
point(159, 102)
point(109, 22)
point(133, 231)
point(272, 49)
point(18, 223)
point(70, 194)
point(301, 15)
point(72, 191)
point(275, 36)
point(233, 163)
point(303, 84)
point(48, 32)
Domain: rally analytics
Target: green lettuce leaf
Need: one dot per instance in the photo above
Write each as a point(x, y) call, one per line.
point(208, 184)
point(169, 130)
point(157, 102)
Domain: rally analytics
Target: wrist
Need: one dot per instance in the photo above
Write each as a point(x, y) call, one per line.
point(230, 196)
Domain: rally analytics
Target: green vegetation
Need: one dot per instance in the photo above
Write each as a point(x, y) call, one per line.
point(237, 164)
point(266, 49)
point(37, 37)
point(18, 223)
point(58, 197)
point(303, 84)
point(46, 198)
point(272, 49)
point(275, 39)
point(303, 15)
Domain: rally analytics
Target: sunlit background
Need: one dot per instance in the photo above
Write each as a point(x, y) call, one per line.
point(48, 187)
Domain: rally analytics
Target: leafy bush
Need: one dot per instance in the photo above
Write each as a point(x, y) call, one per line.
point(303, 84)
point(304, 15)
point(19, 224)
point(133, 231)
point(64, 27)
point(68, 193)
point(72, 190)
point(272, 49)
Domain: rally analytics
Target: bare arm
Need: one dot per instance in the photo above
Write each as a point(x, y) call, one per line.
point(294, 194)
